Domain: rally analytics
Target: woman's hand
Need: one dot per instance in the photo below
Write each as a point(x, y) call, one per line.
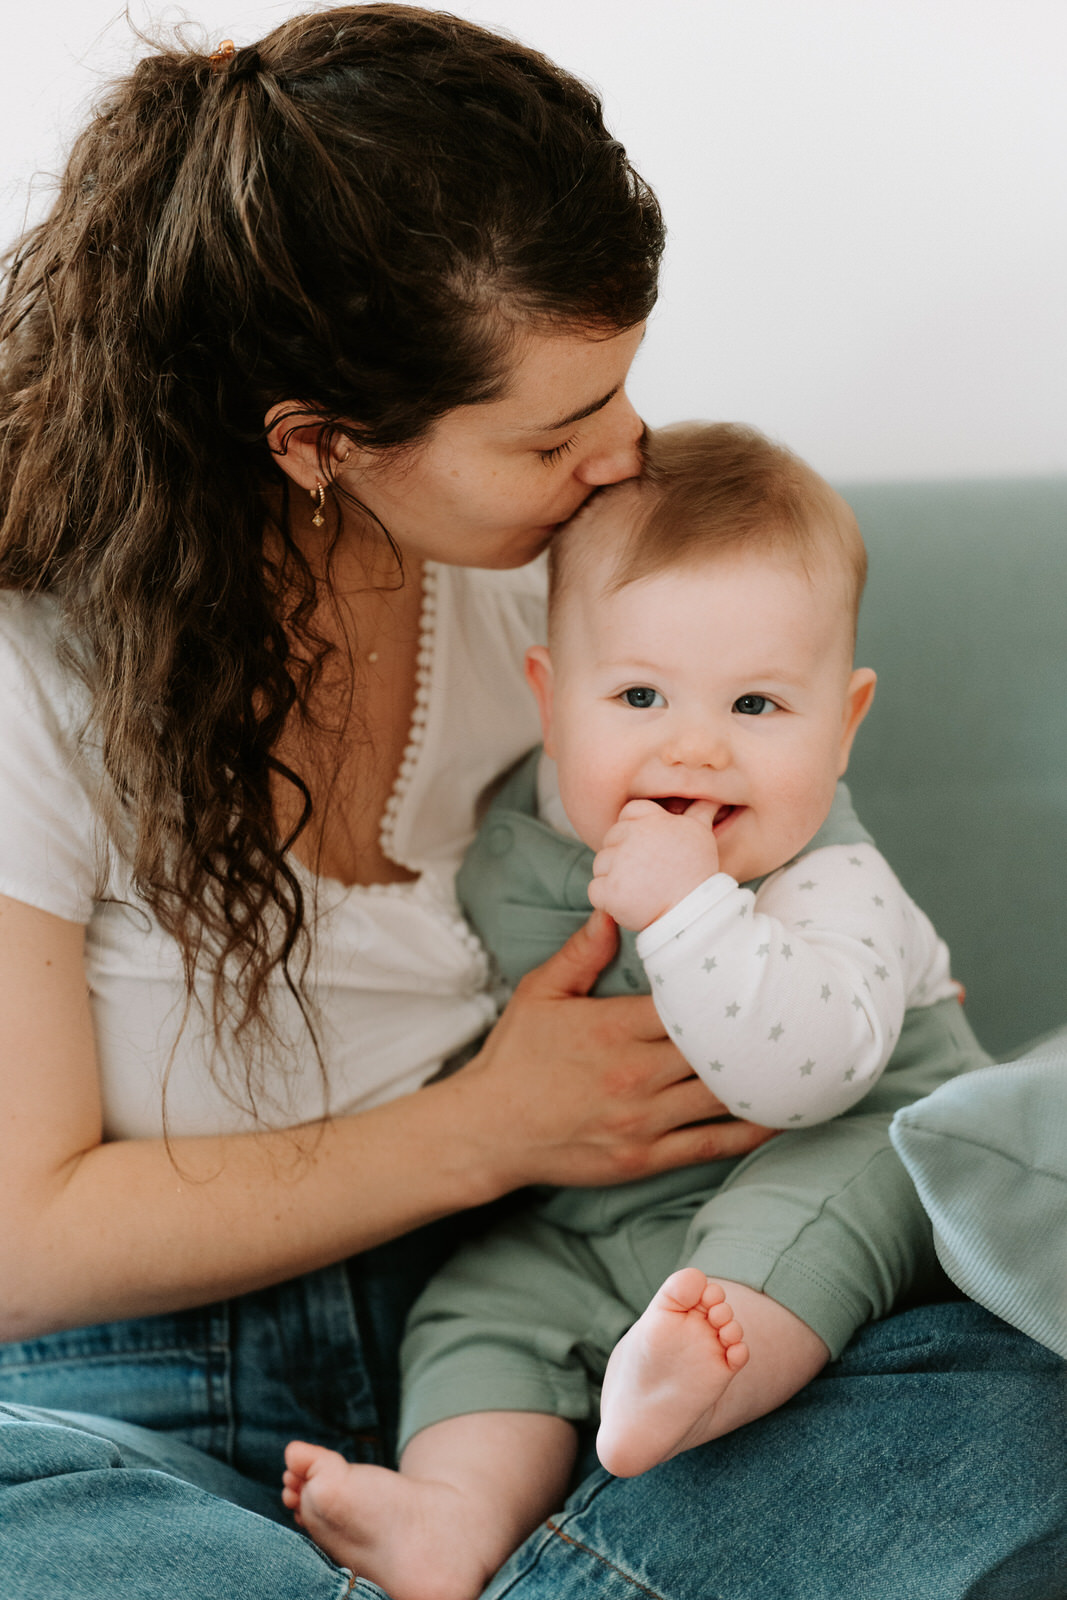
point(569, 1090)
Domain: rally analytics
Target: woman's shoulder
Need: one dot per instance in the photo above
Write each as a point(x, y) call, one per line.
point(48, 776)
point(27, 620)
point(31, 627)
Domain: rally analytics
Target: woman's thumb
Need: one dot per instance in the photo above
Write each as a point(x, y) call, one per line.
point(577, 964)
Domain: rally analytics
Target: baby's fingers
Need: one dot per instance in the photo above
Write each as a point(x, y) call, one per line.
point(633, 810)
point(702, 811)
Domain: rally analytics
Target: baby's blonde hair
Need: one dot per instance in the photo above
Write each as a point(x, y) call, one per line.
point(714, 486)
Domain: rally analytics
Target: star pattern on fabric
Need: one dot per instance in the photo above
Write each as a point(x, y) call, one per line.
point(868, 942)
point(732, 1010)
point(796, 1117)
point(881, 972)
point(710, 964)
point(677, 1029)
point(743, 911)
point(808, 1068)
point(850, 1074)
point(787, 952)
point(809, 885)
point(803, 922)
point(857, 1002)
point(715, 1066)
point(878, 900)
point(854, 861)
point(776, 1032)
point(764, 950)
point(658, 977)
point(825, 992)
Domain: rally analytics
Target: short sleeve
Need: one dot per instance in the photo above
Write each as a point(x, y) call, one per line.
point(48, 826)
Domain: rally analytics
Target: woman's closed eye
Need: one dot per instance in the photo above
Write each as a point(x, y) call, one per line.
point(558, 451)
point(754, 705)
point(642, 698)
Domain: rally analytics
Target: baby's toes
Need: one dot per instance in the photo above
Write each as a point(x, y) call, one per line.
point(736, 1355)
point(719, 1315)
point(684, 1290)
point(730, 1333)
point(714, 1295)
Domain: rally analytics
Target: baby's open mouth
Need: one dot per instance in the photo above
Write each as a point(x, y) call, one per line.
point(677, 804)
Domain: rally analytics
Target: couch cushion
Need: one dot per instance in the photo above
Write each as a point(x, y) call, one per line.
point(988, 1155)
point(960, 772)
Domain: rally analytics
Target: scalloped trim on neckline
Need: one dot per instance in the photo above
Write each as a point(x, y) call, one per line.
point(416, 733)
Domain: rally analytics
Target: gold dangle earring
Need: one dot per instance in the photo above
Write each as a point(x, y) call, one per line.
point(318, 500)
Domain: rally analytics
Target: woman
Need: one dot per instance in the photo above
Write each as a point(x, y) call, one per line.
point(321, 340)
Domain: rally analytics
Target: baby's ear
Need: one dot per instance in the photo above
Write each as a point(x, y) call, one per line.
point(858, 697)
point(539, 677)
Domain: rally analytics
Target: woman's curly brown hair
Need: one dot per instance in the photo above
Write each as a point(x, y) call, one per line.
point(324, 218)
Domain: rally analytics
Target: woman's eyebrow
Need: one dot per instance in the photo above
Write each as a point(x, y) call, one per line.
point(577, 416)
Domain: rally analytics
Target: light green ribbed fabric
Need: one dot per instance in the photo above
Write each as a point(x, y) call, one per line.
point(988, 1155)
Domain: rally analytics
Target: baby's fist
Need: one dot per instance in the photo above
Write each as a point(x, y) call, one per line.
point(651, 859)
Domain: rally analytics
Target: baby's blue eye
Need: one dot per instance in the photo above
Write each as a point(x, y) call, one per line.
point(754, 705)
point(643, 699)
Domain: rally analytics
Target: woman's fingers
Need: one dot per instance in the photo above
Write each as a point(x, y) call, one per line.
point(687, 1100)
point(712, 1142)
point(576, 965)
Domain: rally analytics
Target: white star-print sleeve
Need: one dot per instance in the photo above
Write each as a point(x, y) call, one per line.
point(788, 1002)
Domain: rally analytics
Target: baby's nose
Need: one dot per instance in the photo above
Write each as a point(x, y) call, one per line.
point(699, 746)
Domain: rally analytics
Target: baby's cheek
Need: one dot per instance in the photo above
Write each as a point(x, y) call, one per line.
point(591, 798)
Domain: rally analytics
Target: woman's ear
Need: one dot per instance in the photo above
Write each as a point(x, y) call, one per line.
point(539, 677)
point(858, 697)
point(293, 436)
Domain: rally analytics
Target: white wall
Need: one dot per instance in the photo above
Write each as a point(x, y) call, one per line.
point(866, 200)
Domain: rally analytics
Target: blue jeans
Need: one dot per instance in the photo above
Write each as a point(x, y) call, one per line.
point(928, 1463)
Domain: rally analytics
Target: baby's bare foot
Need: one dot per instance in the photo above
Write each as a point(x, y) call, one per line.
point(667, 1374)
point(417, 1540)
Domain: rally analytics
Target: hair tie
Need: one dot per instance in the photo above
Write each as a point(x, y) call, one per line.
point(225, 53)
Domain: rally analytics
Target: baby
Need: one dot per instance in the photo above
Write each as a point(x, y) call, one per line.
point(699, 704)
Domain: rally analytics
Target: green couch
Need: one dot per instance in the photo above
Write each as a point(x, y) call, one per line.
point(961, 774)
point(960, 771)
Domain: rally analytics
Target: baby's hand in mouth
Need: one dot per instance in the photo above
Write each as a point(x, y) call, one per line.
point(658, 852)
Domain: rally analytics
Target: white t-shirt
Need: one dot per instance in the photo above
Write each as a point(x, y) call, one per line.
point(398, 981)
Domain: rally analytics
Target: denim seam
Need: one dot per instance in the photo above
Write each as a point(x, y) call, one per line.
point(604, 1562)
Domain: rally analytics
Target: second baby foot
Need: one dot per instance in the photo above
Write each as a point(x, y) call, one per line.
point(667, 1375)
point(420, 1541)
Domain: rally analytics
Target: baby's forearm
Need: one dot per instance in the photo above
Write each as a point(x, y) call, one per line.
point(789, 1003)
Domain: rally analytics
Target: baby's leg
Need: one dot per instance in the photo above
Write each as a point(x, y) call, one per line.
point(468, 1492)
point(667, 1375)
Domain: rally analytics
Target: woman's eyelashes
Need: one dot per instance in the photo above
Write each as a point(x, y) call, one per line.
point(558, 451)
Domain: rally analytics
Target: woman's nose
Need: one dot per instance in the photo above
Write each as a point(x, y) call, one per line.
point(616, 453)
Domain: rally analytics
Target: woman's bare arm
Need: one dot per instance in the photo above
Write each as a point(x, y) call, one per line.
point(566, 1090)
